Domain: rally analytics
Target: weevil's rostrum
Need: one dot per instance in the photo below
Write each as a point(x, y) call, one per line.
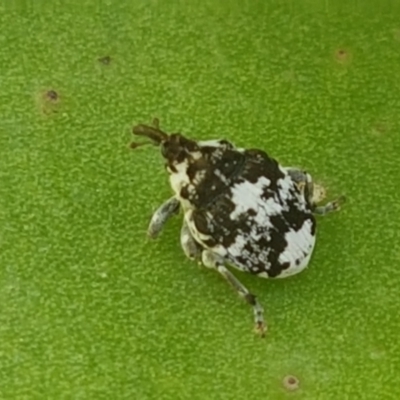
point(241, 208)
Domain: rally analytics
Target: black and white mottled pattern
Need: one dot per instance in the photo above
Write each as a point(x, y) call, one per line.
point(240, 208)
point(248, 210)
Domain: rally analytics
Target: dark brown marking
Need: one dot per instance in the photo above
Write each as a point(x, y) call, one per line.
point(184, 193)
point(210, 242)
point(200, 222)
point(285, 265)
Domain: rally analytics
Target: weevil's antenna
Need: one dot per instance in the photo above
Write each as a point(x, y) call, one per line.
point(153, 133)
point(135, 145)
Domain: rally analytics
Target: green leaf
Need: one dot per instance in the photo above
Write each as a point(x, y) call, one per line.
point(92, 309)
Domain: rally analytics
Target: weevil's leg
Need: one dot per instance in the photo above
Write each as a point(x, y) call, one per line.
point(161, 216)
point(304, 182)
point(314, 193)
point(297, 175)
point(190, 247)
point(329, 207)
point(211, 260)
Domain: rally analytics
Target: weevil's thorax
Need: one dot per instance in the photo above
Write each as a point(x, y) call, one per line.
point(200, 171)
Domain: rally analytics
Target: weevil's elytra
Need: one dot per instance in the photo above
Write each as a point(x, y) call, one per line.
point(241, 208)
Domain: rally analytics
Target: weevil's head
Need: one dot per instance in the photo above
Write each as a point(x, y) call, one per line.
point(177, 150)
point(197, 169)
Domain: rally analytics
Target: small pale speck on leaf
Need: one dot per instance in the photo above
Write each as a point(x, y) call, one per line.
point(289, 76)
point(377, 354)
point(290, 382)
point(380, 128)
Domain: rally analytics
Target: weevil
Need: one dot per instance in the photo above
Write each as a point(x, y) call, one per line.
point(241, 208)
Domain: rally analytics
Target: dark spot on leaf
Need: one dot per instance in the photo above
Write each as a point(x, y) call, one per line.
point(52, 95)
point(290, 382)
point(48, 101)
point(343, 56)
point(106, 60)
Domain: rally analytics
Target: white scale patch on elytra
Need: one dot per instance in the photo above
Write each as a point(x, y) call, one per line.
point(223, 178)
point(246, 196)
point(299, 245)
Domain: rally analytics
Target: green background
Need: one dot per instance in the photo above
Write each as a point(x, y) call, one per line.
point(92, 309)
